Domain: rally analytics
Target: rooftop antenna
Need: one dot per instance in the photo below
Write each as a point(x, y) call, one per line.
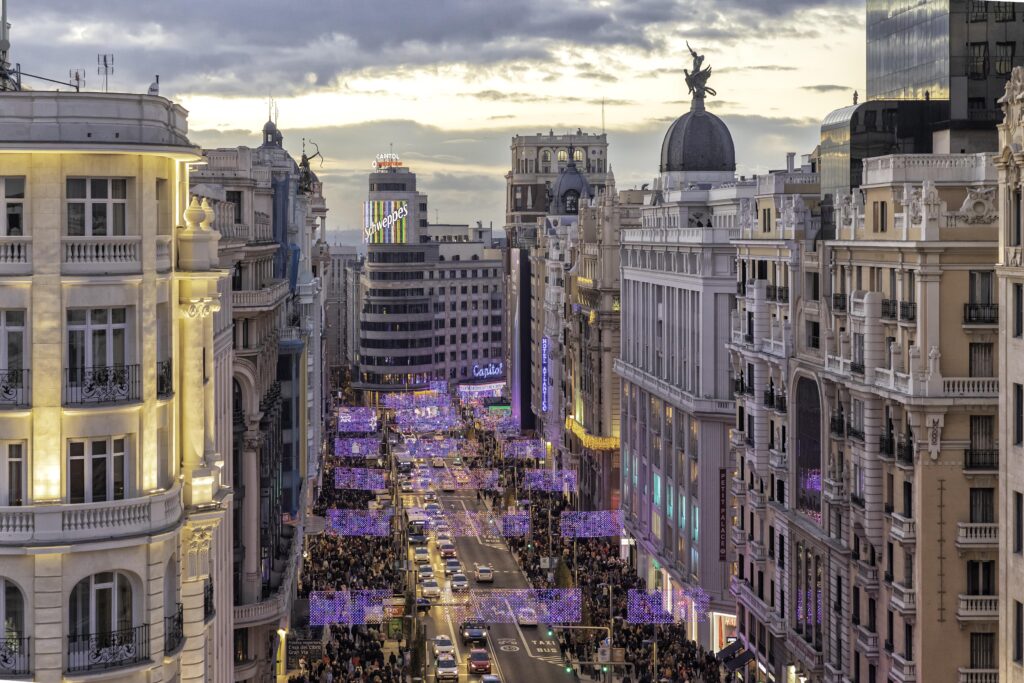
point(77, 77)
point(105, 67)
point(277, 113)
point(602, 116)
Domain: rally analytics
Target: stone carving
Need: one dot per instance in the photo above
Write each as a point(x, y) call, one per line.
point(979, 207)
point(196, 549)
point(201, 307)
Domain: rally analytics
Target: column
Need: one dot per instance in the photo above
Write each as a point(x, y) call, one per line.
point(195, 549)
point(251, 516)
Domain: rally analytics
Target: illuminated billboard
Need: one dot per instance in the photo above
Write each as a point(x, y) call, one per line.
point(385, 221)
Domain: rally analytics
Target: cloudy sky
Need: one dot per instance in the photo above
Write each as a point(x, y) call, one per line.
point(448, 82)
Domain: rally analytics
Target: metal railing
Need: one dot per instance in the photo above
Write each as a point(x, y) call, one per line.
point(737, 385)
point(15, 655)
point(886, 445)
point(905, 452)
point(981, 314)
point(741, 288)
point(908, 311)
point(838, 424)
point(98, 651)
point(174, 632)
point(208, 608)
point(981, 459)
point(780, 403)
point(165, 378)
point(890, 309)
point(839, 302)
point(101, 384)
point(782, 295)
point(769, 399)
point(854, 432)
point(857, 367)
point(14, 388)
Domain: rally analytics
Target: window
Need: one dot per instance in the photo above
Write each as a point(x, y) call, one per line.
point(982, 287)
point(983, 651)
point(1018, 632)
point(96, 206)
point(96, 337)
point(978, 11)
point(812, 286)
point(1018, 522)
point(1004, 56)
point(12, 473)
point(766, 220)
point(12, 343)
point(981, 577)
point(880, 216)
point(1018, 310)
point(1015, 233)
point(1003, 11)
point(235, 197)
point(97, 470)
point(563, 155)
point(13, 198)
point(983, 506)
point(12, 612)
point(977, 61)
point(981, 360)
point(100, 604)
point(813, 334)
point(1018, 414)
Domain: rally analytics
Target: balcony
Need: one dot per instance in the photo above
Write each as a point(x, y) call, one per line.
point(271, 608)
point(782, 295)
point(739, 538)
point(908, 311)
point(867, 641)
point(102, 385)
point(741, 288)
point(101, 255)
point(886, 447)
point(835, 491)
point(837, 425)
point(905, 453)
point(977, 536)
point(15, 655)
point(868, 574)
point(738, 387)
point(981, 459)
point(769, 399)
point(208, 605)
point(15, 255)
point(978, 608)
point(111, 650)
point(904, 598)
point(757, 552)
point(756, 499)
point(857, 367)
point(15, 388)
point(970, 387)
point(901, 670)
point(174, 634)
point(739, 488)
point(855, 432)
point(904, 529)
point(163, 253)
point(165, 378)
point(981, 314)
point(264, 299)
point(777, 459)
point(978, 676)
point(857, 499)
point(61, 524)
point(890, 309)
point(839, 302)
point(780, 403)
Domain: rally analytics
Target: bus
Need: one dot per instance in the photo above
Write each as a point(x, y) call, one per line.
point(416, 525)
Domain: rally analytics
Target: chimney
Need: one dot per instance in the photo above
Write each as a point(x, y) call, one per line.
point(790, 156)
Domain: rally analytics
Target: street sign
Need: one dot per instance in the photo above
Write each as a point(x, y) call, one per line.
point(545, 563)
point(603, 655)
point(618, 655)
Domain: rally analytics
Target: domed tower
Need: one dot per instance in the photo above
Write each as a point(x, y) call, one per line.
point(271, 135)
point(570, 187)
point(698, 146)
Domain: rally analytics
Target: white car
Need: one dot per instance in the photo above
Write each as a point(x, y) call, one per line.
point(452, 566)
point(526, 616)
point(421, 555)
point(444, 537)
point(458, 582)
point(437, 462)
point(443, 645)
point(425, 571)
point(430, 589)
point(446, 668)
point(484, 573)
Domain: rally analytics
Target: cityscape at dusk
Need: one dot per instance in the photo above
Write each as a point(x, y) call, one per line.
point(613, 341)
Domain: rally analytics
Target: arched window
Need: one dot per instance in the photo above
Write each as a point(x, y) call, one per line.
point(563, 155)
point(577, 155)
point(101, 620)
point(14, 650)
point(546, 155)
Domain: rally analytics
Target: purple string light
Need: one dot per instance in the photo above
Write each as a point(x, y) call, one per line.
point(468, 524)
point(350, 447)
point(357, 420)
point(417, 400)
point(644, 607)
point(554, 481)
point(360, 478)
point(359, 522)
point(470, 392)
point(433, 448)
point(347, 607)
point(445, 480)
point(524, 448)
point(602, 523)
point(503, 605)
point(427, 419)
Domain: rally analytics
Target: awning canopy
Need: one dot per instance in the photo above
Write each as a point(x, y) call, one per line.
point(729, 651)
point(739, 661)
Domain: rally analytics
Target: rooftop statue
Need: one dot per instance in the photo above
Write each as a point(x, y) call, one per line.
point(697, 80)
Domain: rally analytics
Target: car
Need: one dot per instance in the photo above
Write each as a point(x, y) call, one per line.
point(430, 497)
point(473, 632)
point(425, 571)
point(479, 661)
point(447, 550)
point(444, 537)
point(526, 616)
point(458, 582)
point(484, 573)
point(433, 508)
point(489, 678)
point(441, 526)
point(443, 645)
point(406, 487)
point(423, 604)
point(430, 589)
point(437, 462)
point(457, 460)
point(421, 555)
point(448, 484)
point(452, 566)
point(446, 668)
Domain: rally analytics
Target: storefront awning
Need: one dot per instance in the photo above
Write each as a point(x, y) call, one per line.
point(729, 651)
point(739, 662)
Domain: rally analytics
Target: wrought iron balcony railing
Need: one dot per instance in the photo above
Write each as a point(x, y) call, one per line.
point(15, 654)
point(110, 650)
point(102, 384)
point(890, 309)
point(981, 459)
point(14, 388)
point(908, 311)
point(174, 632)
point(981, 314)
point(839, 302)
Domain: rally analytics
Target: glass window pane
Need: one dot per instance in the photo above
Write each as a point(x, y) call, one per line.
point(14, 188)
point(76, 219)
point(99, 478)
point(76, 188)
point(99, 447)
point(99, 316)
point(119, 188)
point(104, 622)
point(117, 227)
point(98, 187)
point(117, 358)
point(76, 480)
point(99, 220)
point(14, 223)
point(14, 608)
point(78, 612)
point(99, 349)
point(119, 476)
point(124, 602)
point(76, 316)
point(15, 318)
point(118, 315)
point(15, 351)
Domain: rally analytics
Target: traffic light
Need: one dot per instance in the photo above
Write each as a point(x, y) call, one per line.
point(568, 669)
point(604, 669)
point(550, 633)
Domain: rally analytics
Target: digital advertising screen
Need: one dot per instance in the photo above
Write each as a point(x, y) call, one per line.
point(385, 221)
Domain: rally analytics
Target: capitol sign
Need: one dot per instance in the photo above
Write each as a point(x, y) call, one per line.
point(489, 370)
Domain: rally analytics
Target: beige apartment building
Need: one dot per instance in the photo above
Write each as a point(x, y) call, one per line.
point(866, 504)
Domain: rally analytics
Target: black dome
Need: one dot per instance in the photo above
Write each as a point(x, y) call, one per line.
point(569, 189)
point(698, 141)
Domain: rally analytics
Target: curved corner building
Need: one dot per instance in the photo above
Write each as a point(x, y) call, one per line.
point(114, 556)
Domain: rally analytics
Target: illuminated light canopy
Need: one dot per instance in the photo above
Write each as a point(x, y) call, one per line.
point(468, 524)
point(644, 607)
point(695, 597)
point(347, 607)
point(359, 522)
point(475, 479)
point(403, 400)
point(503, 605)
point(550, 480)
point(349, 447)
point(600, 524)
point(468, 392)
point(428, 419)
point(524, 448)
point(591, 441)
point(385, 221)
point(362, 479)
point(357, 420)
point(433, 448)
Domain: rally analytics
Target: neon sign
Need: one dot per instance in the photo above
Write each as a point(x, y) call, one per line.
point(384, 221)
point(386, 161)
point(544, 343)
point(489, 370)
